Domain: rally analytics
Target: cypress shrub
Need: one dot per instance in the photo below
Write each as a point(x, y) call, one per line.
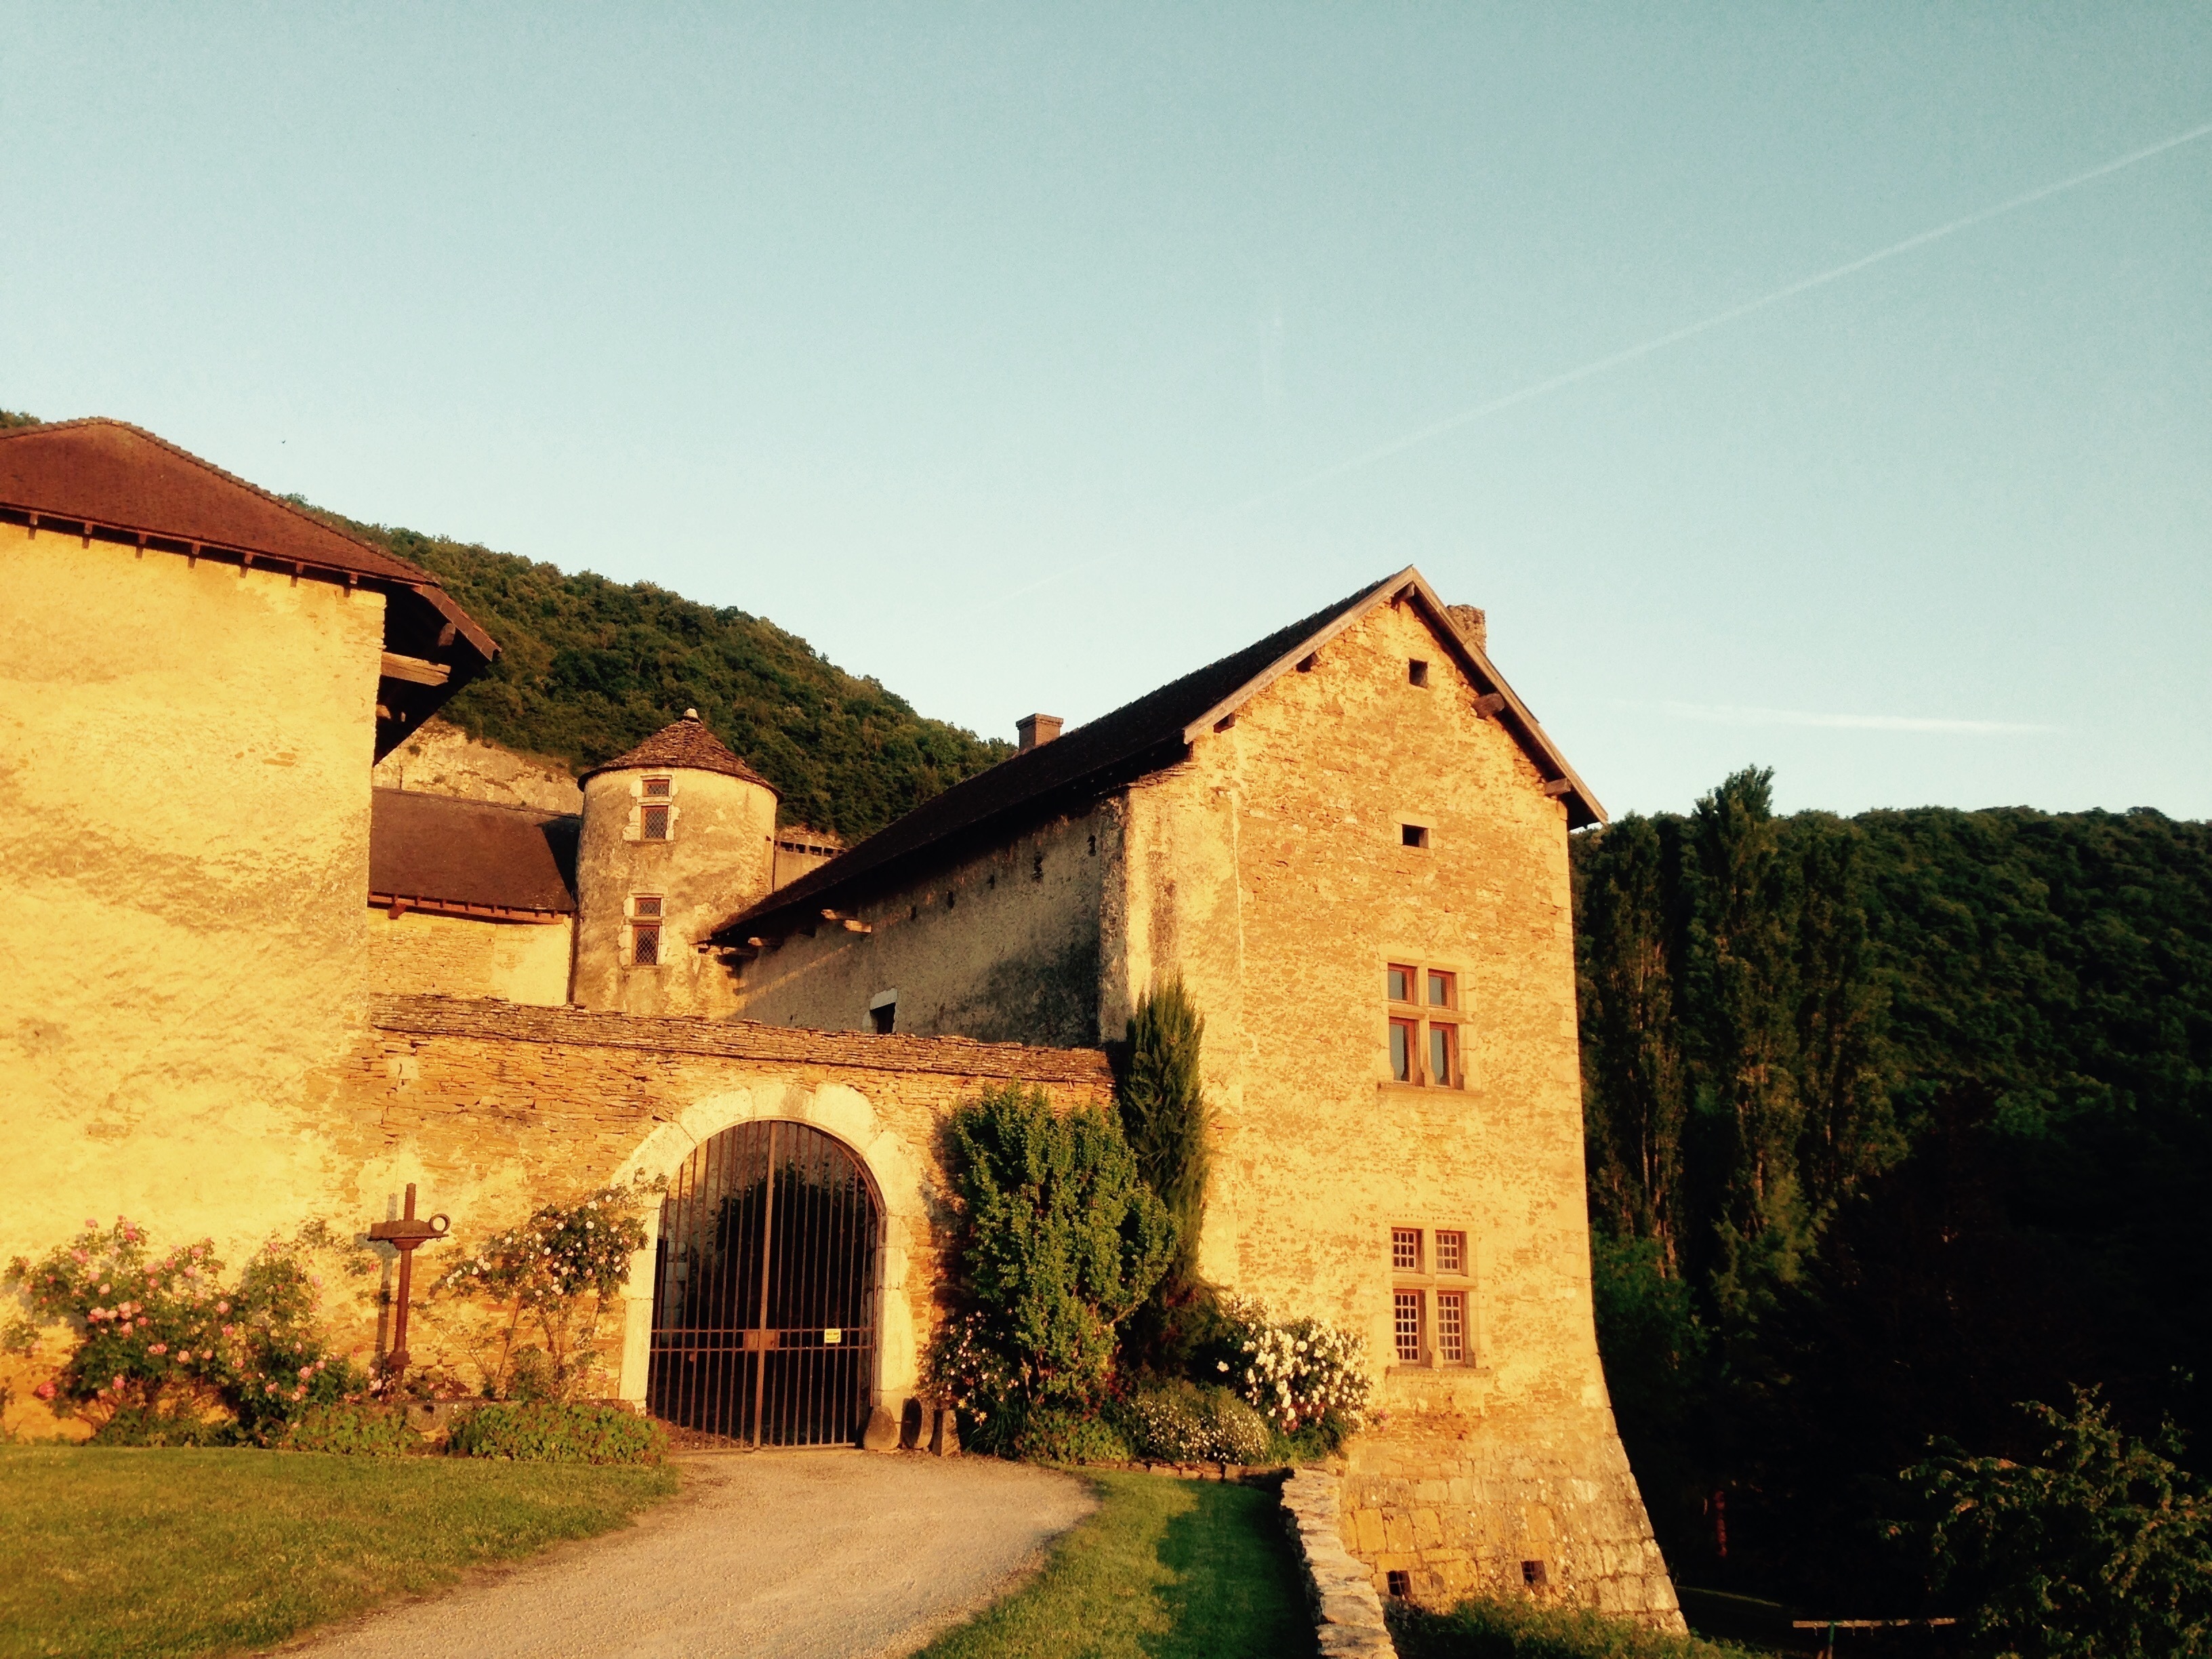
point(1164, 1117)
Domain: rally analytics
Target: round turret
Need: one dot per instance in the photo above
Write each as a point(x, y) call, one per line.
point(679, 834)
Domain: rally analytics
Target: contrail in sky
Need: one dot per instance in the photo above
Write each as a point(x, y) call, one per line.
point(1730, 714)
point(1688, 331)
point(1658, 342)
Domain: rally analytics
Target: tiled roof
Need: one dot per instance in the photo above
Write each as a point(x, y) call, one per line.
point(1141, 737)
point(104, 473)
point(461, 854)
point(686, 744)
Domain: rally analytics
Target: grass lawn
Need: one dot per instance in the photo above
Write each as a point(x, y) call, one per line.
point(1162, 1568)
point(1481, 1629)
point(124, 1552)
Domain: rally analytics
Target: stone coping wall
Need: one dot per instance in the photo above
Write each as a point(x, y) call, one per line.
point(1516, 1503)
point(1340, 1588)
point(739, 1039)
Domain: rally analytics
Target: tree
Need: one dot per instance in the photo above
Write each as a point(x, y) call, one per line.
point(2099, 1548)
point(1164, 1118)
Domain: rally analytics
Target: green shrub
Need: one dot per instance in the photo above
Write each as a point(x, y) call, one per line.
point(2098, 1544)
point(547, 1431)
point(1053, 1435)
point(1058, 1240)
point(358, 1431)
point(1481, 1629)
point(161, 1424)
point(164, 1350)
point(1178, 1423)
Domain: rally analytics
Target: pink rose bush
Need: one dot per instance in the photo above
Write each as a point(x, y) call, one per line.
point(162, 1351)
point(553, 1278)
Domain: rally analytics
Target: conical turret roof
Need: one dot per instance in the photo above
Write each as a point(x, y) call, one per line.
point(687, 744)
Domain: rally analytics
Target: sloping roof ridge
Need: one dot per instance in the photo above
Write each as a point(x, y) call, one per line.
point(208, 466)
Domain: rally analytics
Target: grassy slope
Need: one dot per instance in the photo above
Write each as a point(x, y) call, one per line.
point(588, 667)
point(120, 1553)
point(1162, 1568)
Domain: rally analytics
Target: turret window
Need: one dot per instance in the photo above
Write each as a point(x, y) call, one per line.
point(653, 817)
point(645, 930)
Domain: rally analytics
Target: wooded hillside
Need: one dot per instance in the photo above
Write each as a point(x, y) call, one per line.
point(1893, 1121)
point(587, 667)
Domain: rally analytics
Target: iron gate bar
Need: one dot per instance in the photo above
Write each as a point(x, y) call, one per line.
point(769, 1240)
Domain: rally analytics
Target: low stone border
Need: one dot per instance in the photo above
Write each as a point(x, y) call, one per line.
point(1347, 1613)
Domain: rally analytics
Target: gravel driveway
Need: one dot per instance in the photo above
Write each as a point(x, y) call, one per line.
point(773, 1555)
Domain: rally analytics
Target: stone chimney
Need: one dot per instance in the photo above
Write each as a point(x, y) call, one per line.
point(1473, 624)
point(1037, 730)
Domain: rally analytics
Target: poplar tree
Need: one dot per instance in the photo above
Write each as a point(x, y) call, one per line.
point(1164, 1117)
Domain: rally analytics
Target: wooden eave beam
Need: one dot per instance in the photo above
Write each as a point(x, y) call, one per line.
point(397, 904)
point(415, 670)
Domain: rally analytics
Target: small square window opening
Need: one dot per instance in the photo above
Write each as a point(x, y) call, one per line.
point(1406, 1250)
point(1400, 1583)
point(654, 821)
point(1417, 672)
point(1532, 1574)
point(1451, 1325)
point(659, 789)
point(1451, 1252)
point(1413, 835)
point(885, 1020)
point(645, 930)
point(1406, 1325)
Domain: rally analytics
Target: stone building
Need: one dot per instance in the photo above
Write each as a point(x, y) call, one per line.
point(249, 985)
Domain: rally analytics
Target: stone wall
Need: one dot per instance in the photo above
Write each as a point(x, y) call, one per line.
point(439, 758)
point(1547, 1509)
point(493, 1109)
point(1002, 946)
point(423, 953)
point(185, 751)
point(1272, 870)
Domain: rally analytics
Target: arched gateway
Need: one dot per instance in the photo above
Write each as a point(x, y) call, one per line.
point(765, 1319)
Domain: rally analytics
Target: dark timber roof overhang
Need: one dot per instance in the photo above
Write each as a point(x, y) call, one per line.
point(1155, 732)
point(107, 481)
point(470, 858)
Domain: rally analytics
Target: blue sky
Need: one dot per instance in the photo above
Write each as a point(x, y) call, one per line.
point(1016, 356)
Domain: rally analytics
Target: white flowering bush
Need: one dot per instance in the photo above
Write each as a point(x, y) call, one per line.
point(1179, 1424)
point(554, 1274)
point(1294, 1372)
point(963, 1370)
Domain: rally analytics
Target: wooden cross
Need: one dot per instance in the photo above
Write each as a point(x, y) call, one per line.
point(403, 1236)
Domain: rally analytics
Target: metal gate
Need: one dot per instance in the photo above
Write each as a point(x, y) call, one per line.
point(764, 1290)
